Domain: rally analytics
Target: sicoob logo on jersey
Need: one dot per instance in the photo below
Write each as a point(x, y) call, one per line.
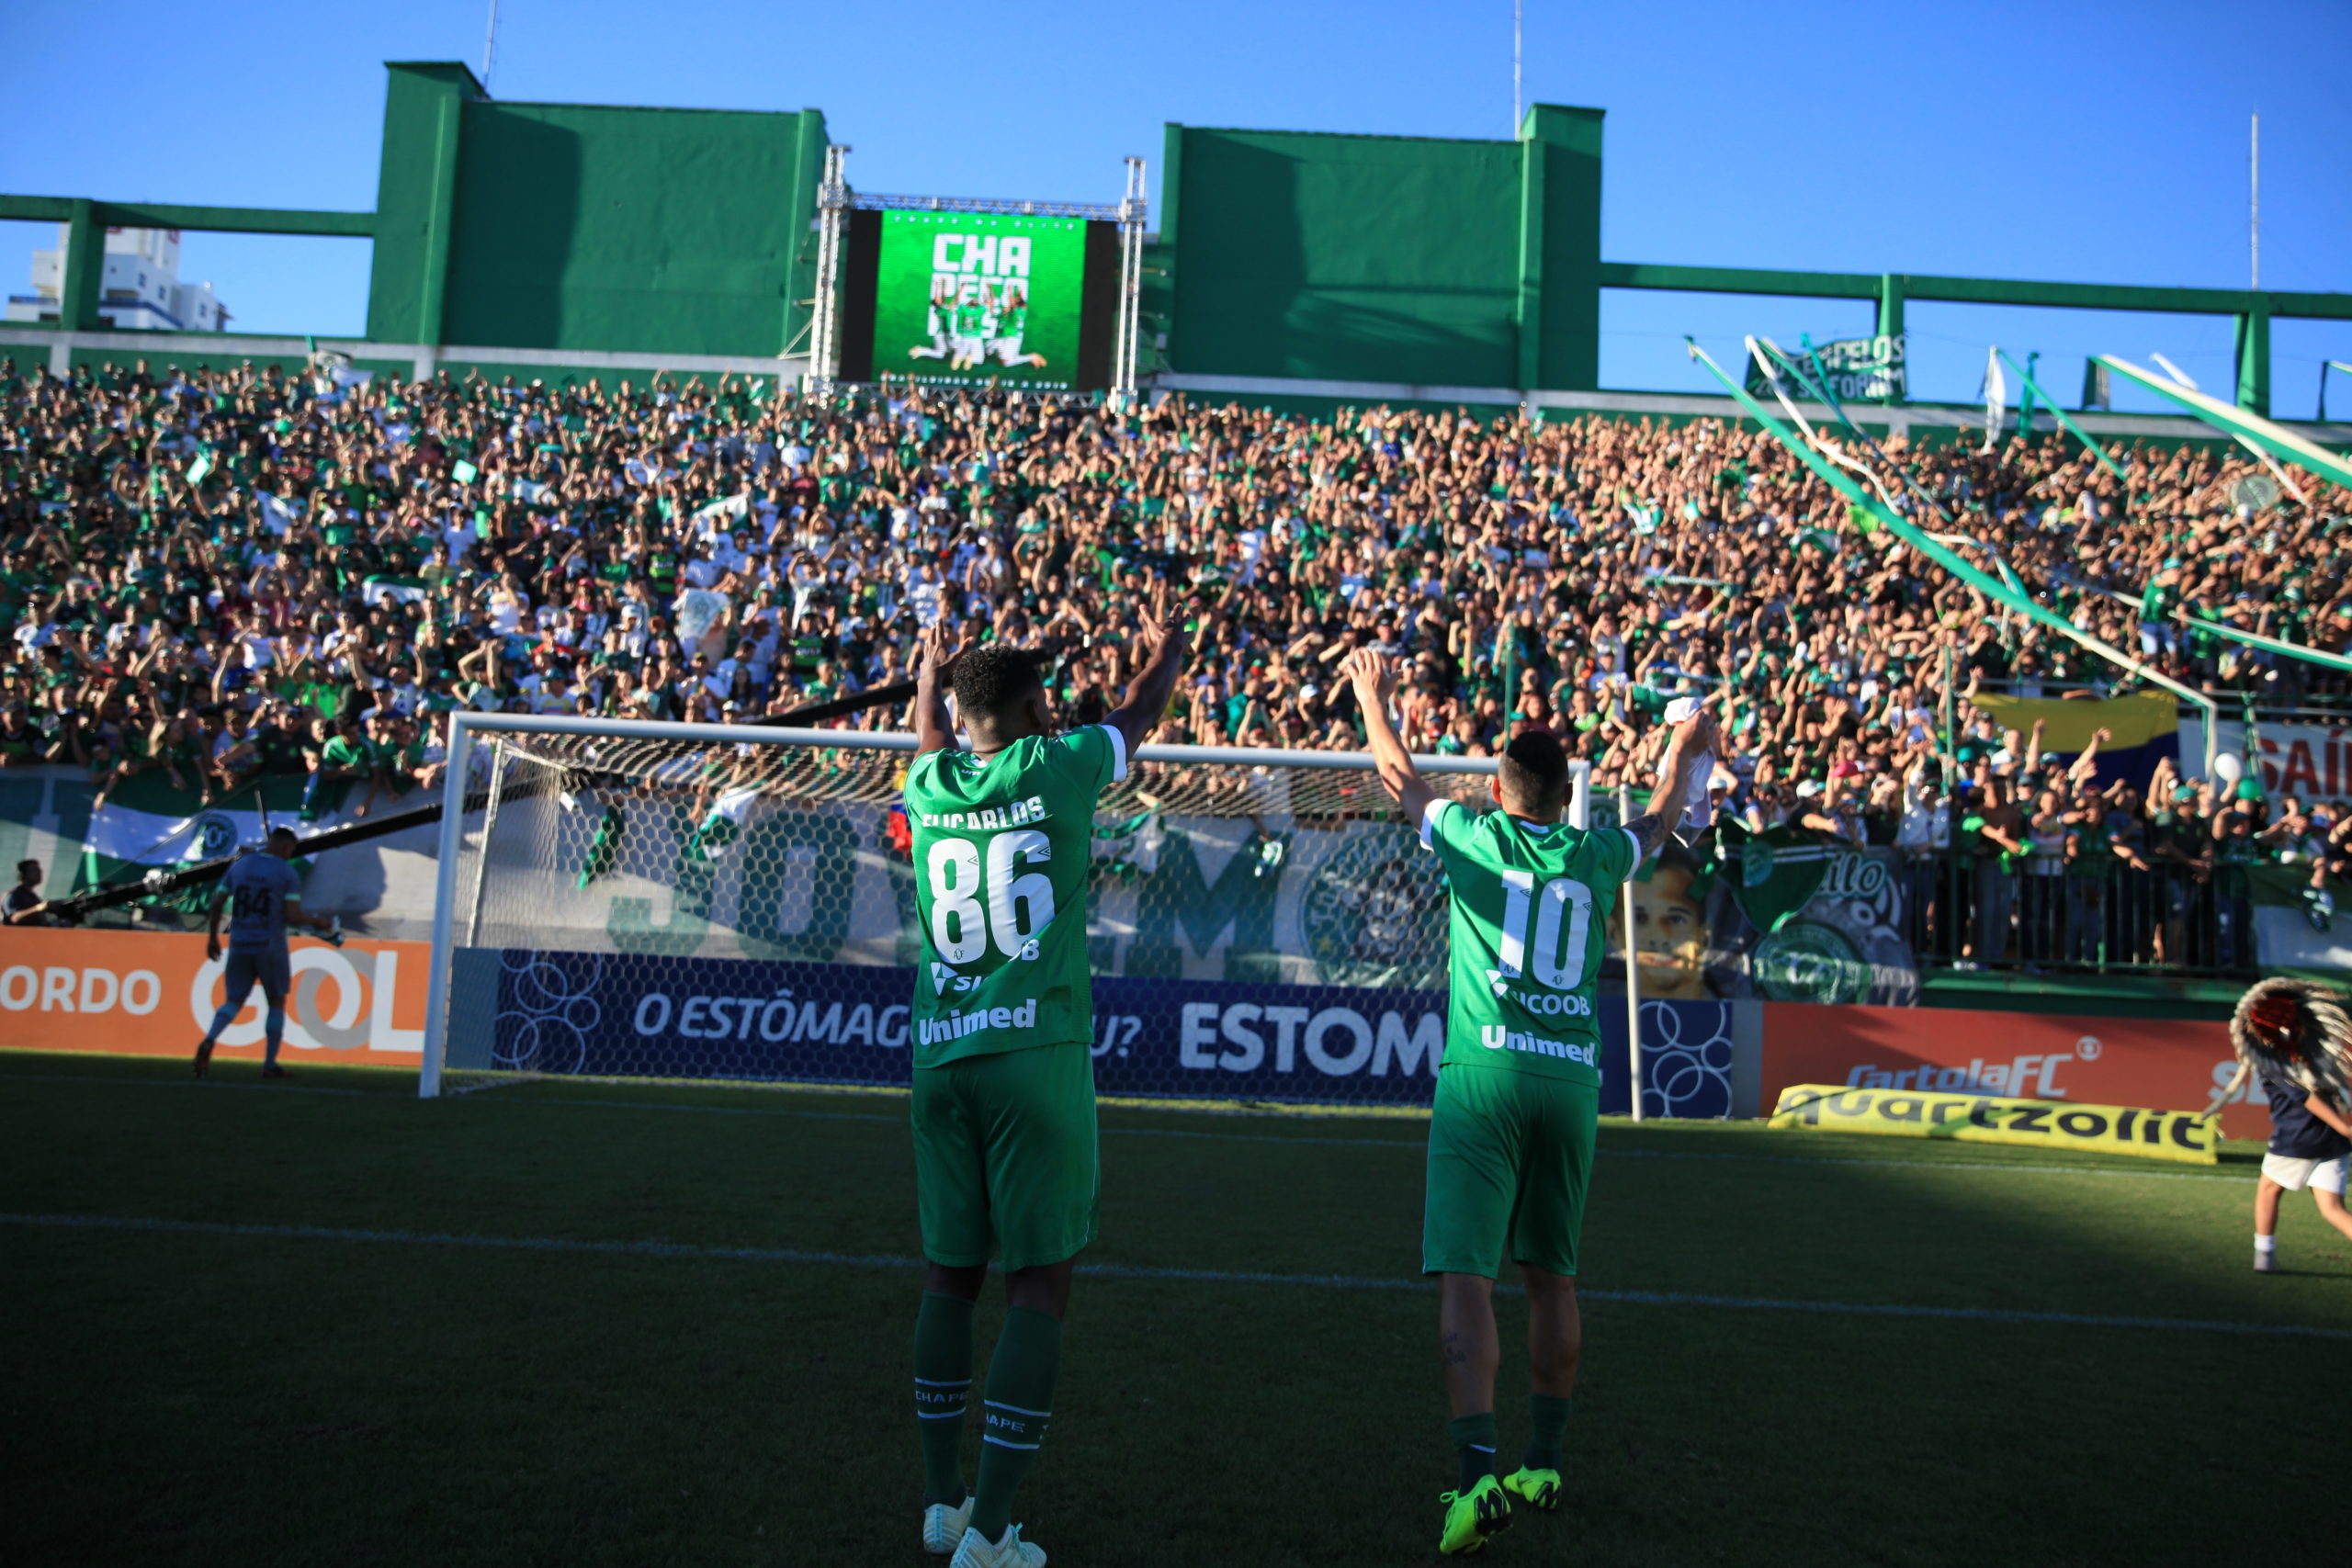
point(1373, 913)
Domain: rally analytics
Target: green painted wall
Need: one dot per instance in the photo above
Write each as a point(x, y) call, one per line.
point(1385, 258)
point(631, 231)
point(590, 227)
point(415, 187)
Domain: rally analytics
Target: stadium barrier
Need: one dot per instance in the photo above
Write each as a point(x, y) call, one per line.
point(153, 994)
point(1163, 1037)
point(2162, 1063)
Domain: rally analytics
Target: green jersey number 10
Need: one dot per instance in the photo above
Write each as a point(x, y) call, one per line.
point(1562, 907)
point(968, 909)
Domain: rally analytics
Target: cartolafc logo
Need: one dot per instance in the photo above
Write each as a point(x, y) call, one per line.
point(2022, 1076)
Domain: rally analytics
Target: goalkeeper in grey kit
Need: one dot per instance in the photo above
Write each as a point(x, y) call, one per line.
point(261, 892)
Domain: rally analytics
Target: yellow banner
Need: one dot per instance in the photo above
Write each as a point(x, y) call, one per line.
point(1988, 1119)
point(2136, 719)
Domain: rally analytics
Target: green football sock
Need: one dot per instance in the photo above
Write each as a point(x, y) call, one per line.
point(943, 1384)
point(1474, 1439)
point(1019, 1401)
point(1547, 1428)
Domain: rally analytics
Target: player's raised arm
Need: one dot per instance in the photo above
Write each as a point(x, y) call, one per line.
point(1693, 736)
point(1374, 679)
point(1139, 711)
point(934, 730)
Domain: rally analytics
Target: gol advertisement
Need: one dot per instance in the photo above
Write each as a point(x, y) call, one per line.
point(1986, 1119)
point(2166, 1064)
point(155, 994)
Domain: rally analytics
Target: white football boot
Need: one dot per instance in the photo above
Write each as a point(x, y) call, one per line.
point(1011, 1552)
point(943, 1526)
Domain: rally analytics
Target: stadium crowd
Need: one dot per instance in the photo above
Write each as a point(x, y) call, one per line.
point(222, 574)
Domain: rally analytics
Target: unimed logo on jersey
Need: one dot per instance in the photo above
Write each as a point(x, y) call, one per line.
point(1022, 1015)
point(1494, 1037)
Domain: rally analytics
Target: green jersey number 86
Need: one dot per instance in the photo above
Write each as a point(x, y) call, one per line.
point(1007, 904)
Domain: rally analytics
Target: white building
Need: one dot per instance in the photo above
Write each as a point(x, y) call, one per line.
point(140, 288)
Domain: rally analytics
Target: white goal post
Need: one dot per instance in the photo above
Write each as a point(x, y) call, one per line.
point(721, 902)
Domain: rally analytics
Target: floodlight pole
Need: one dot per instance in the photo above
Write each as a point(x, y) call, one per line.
point(1129, 330)
point(2254, 203)
point(825, 321)
point(1518, 21)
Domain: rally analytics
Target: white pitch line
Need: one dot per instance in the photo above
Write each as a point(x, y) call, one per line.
point(1605, 1153)
point(2134, 1172)
point(1138, 1271)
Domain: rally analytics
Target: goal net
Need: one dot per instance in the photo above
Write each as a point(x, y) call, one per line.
point(719, 902)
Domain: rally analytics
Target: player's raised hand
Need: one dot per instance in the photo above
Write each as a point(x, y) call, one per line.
point(1373, 675)
point(1153, 633)
point(1695, 735)
point(942, 647)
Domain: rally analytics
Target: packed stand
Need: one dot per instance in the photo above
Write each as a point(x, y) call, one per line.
point(222, 575)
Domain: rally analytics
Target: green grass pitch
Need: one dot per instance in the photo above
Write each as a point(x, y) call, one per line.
point(183, 1392)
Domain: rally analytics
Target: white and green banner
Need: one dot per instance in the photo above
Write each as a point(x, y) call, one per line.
point(1855, 369)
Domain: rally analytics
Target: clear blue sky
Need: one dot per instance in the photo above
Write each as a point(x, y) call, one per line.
point(2092, 142)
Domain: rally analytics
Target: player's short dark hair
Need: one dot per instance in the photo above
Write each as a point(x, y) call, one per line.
point(26, 868)
point(289, 834)
point(994, 679)
point(1534, 770)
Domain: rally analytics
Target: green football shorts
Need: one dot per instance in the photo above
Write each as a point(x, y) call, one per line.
point(1005, 1156)
point(1511, 1160)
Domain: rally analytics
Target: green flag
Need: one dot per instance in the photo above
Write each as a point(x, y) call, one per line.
point(465, 473)
point(201, 467)
point(605, 850)
point(1777, 871)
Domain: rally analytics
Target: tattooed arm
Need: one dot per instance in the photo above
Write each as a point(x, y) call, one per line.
point(1691, 737)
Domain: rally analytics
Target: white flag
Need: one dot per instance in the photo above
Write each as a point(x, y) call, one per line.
point(1997, 397)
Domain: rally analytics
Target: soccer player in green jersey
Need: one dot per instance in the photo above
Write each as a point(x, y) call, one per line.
point(1003, 1017)
point(1519, 1087)
point(1010, 321)
point(970, 320)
